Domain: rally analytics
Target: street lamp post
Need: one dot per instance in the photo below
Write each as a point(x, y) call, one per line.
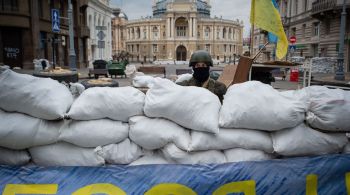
point(72, 55)
point(339, 75)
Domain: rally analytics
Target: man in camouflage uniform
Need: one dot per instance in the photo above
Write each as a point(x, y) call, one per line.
point(200, 62)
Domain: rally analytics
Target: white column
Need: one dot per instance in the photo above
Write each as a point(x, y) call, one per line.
point(168, 27)
point(173, 27)
point(195, 27)
point(190, 26)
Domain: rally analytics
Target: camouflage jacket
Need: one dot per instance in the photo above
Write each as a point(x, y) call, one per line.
point(216, 87)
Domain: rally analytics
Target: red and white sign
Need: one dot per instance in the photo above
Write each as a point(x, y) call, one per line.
point(292, 39)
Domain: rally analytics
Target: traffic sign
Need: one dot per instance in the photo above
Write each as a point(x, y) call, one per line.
point(101, 27)
point(55, 18)
point(100, 44)
point(101, 35)
point(292, 48)
point(292, 39)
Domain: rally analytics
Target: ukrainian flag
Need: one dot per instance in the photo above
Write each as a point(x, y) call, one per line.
point(264, 15)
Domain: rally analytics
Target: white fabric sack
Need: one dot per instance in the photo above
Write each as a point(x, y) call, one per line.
point(240, 154)
point(254, 105)
point(346, 149)
point(76, 89)
point(231, 138)
point(65, 154)
point(195, 108)
point(153, 158)
point(183, 77)
point(175, 154)
point(20, 131)
point(155, 133)
point(13, 157)
point(299, 95)
point(329, 109)
point(143, 81)
point(39, 97)
point(122, 153)
point(117, 103)
point(94, 133)
point(304, 141)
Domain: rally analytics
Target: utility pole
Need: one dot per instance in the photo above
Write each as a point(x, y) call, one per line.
point(72, 55)
point(339, 75)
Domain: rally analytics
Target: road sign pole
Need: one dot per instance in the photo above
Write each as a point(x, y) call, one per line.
point(72, 55)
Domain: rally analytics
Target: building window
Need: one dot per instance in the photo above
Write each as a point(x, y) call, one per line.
point(181, 31)
point(296, 7)
point(207, 32)
point(155, 48)
point(293, 31)
point(137, 48)
point(230, 48)
point(315, 50)
point(144, 34)
point(155, 32)
point(316, 29)
point(224, 33)
point(305, 5)
point(225, 47)
point(207, 47)
point(303, 30)
point(40, 7)
point(9, 5)
point(217, 34)
point(327, 26)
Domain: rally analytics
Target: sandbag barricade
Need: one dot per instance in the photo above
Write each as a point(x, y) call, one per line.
point(42, 98)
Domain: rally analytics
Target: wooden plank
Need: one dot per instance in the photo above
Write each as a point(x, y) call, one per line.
point(228, 75)
point(233, 74)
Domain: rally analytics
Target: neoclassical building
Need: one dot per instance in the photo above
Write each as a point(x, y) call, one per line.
point(176, 29)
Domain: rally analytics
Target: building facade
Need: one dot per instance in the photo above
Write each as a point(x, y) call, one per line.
point(316, 26)
point(177, 29)
point(26, 32)
point(99, 20)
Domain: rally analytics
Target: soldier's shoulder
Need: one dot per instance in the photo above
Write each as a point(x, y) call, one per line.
point(185, 83)
point(220, 87)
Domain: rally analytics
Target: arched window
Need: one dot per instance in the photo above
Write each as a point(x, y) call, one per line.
point(224, 33)
point(155, 32)
point(207, 32)
point(181, 25)
point(138, 33)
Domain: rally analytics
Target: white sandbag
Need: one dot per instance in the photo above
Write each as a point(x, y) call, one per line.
point(346, 149)
point(240, 154)
point(76, 89)
point(304, 141)
point(143, 81)
point(183, 77)
point(94, 133)
point(39, 97)
point(153, 158)
point(121, 153)
point(155, 133)
point(117, 103)
point(329, 109)
point(65, 154)
point(13, 157)
point(177, 155)
point(299, 95)
point(20, 131)
point(195, 108)
point(254, 105)
point(231, 138)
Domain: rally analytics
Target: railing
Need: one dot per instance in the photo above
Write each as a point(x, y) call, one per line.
point(323, 5)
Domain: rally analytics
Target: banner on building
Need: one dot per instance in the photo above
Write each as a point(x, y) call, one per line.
point(310, 176)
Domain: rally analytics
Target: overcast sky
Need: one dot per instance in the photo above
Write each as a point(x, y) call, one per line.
point(228, 9)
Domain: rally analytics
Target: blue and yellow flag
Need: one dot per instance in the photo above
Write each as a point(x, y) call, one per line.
point(264, 15)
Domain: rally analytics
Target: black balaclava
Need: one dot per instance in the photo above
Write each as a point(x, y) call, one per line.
point(201, 74)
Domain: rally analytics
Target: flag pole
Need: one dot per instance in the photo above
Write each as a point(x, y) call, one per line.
point(252, 40)
point(259, 52)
